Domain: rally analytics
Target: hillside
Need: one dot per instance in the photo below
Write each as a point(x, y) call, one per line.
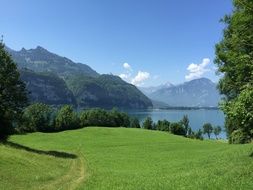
point(89, 88)
point(47, 88)
point(196, 93)
point(121, 158)
point(105, 91)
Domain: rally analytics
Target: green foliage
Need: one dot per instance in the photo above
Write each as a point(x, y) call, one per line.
point(148, 123)
point(134, 123)
point(198, 134)
point(238, 137)
point(217, 131)
point(185, 122)
point(37, 117)
point(101, 117)
point(234, 55)
point(177, 129)
point(239, 115)
point(12, 94)
point(208, 129)
point(66, 119)
point(163, 125)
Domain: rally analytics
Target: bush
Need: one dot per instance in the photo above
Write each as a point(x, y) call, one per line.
point(37, 117)
point(239, 137)
point(66, 119)
point(177, 129)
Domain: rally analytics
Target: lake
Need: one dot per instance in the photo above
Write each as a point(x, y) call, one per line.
point(197, 117)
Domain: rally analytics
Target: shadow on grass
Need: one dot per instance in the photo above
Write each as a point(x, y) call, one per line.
point(50, 152)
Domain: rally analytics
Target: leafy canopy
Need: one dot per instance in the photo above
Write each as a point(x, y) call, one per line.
point(12, 94)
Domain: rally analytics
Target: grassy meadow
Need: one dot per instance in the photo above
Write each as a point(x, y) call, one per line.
point(121, 158)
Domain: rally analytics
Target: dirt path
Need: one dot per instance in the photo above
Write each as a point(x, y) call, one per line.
point(72, 179)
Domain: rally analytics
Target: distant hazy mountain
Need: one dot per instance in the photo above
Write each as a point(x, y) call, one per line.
point(57, 80)
point(199, 92)
point(149, 90)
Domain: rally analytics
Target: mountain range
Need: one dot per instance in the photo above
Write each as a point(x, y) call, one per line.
point(195, 93)
point(57, 80)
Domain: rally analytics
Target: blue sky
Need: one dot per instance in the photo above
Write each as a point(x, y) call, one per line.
point(147, 42)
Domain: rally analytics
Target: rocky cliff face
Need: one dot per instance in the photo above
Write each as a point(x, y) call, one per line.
point(47, 88)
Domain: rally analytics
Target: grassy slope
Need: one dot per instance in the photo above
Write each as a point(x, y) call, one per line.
point(124, 159)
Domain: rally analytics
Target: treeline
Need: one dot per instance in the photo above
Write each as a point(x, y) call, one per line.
point(182, 128)
point(44, 118)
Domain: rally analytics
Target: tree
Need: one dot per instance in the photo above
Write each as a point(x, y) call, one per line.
point(148, 123)
point(177, 129)
point(37, 117)
point(163, 125)
point(234, 55)
point(134, 123)
point(66, 118)
point(239, 117)
point(185, 122)
point(208, 129)
point(217, 131)
point(12, 94)
point(198, 134)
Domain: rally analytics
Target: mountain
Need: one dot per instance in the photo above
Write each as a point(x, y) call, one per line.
point(149, 90)
point(57, 80)
point(47, 88)
point(196, 93)
point(41, 60)
point(106, 90)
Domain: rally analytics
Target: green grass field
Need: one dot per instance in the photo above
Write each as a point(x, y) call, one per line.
point(120, 158)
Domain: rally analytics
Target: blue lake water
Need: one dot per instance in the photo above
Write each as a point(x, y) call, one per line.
point(197, 117)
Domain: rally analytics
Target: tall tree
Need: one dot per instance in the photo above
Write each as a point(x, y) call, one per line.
point(12, 94)
point(217, 131)
point(148, 123)
point(234, 58)
point(185, 122)
point(208, 129)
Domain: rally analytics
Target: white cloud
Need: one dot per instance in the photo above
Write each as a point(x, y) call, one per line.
point(140, 78)
point(124, 76)
point(127, 66)
point(197, 70)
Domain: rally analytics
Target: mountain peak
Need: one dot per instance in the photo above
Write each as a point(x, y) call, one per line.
point(39, 48)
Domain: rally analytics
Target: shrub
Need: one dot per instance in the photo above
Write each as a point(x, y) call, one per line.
point(239, 137)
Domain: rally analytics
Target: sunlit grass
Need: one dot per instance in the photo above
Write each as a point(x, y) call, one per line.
point(119, 158)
